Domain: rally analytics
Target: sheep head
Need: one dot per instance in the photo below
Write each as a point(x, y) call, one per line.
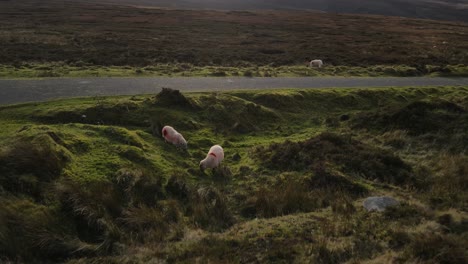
point(202, 165)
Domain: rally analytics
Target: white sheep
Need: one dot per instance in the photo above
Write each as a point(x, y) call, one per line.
point(172, 136)
point(213, 158)
point(316, 63)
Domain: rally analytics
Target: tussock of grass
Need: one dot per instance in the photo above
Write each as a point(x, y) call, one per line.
point(450, 182)
point(407, 214)
point(419, 117)
point(209, 208)
point(170, 97)
point(33, 232)
point(286, 196)
point(139, 186)
point(293, 193)
point(178, 187)
point(322, 253)
point(346, 154)
point(449, 249)
point(281, 101)
point(233, 114)
point(27, 164)
point(101, 113)
point(91, 204)
point(148, 224)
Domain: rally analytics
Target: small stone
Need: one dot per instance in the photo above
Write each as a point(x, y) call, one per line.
point(379, 203)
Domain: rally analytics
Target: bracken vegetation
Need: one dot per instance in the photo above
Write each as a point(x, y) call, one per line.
point(91, 180)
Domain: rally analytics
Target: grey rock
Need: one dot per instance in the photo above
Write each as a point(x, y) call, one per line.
point(379, 203)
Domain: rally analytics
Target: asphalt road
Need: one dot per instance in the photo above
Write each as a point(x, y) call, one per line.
point(33, 90)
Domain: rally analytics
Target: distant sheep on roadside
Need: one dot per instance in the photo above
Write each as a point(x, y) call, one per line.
point(172, 136)
point(316, 63)
point(213, 158)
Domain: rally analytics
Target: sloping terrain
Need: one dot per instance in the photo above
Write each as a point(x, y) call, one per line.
point(91, 180)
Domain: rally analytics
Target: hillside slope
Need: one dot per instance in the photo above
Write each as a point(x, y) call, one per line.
point(91, 180)
point(428, 9)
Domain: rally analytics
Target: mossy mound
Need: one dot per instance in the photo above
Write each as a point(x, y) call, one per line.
point(291, 193)
point(33, 232)
point(288, 102)
point(29, 163)
point(173, 98)
point(418, 118)
point(343, 152)
point(100, 113)
point(231, 114)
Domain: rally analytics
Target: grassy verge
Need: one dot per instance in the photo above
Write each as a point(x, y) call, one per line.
point(90, 180)
point(189, 70)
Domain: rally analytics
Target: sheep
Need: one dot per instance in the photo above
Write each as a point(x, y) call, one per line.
point(172, 136)
point(213, 158)
point(316, 63)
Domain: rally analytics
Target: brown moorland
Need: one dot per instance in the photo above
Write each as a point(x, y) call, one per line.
point(86, 33)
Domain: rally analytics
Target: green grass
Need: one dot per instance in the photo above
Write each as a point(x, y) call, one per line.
point(90, 180)
point(187, 70)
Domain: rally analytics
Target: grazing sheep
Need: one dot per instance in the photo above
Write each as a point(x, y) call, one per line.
point(316, 63)
point(172, 136)
point(213, 159)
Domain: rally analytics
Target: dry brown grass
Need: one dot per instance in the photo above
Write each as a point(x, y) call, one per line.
point(81, 34)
